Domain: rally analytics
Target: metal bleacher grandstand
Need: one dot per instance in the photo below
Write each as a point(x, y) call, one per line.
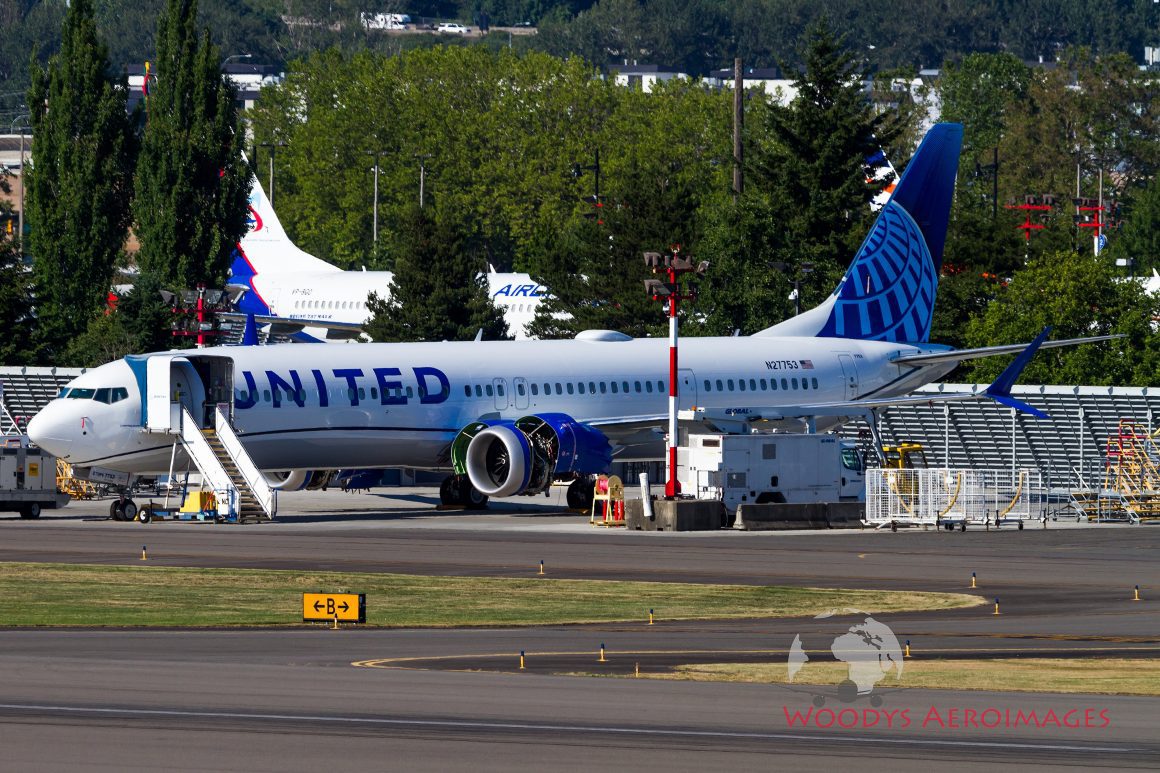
point(26, 390)
point(1069, 448)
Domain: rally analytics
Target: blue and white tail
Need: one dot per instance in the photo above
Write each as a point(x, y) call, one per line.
point(889, 290)
point(266, 247)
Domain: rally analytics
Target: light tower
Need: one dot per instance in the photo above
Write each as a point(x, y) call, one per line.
point(673, 265)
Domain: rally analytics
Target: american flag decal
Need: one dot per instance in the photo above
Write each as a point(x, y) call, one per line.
point(808, 364)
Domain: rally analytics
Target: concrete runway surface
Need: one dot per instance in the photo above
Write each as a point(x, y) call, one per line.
point(309, 699)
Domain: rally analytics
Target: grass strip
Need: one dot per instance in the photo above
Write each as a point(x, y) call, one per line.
point(85, 595)
point(1109, 676)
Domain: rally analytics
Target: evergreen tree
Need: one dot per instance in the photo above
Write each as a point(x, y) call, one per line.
point(805, 206)
point(79, 183)
point(437, 293)
point(192, 183)
point(15, 305)
point(811, 160)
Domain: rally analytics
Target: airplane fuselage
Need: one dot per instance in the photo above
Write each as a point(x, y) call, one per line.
point(388, 405)
point(341, 296)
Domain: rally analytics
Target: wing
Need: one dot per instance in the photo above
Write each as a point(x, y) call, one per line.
point(623, 430)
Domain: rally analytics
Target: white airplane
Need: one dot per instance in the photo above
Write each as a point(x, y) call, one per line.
point(510, 417)
point(308, 299)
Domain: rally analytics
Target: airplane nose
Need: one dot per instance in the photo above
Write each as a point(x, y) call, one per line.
point(47, 431)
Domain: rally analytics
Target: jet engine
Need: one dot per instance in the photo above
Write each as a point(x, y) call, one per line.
point(297, 480)
point(503, 458)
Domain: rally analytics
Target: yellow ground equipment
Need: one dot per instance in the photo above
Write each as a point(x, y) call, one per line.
point(74, 487)
point(904, 456)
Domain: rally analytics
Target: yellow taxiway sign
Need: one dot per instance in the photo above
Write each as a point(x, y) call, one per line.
point(326, 607)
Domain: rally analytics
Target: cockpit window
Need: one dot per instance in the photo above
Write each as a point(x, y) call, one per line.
point(63, 392)
point(107, 395)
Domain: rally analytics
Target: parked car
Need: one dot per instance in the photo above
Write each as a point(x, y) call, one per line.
point(453, 28)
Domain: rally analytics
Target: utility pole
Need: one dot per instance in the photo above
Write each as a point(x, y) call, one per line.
point(738, 120)
point(804, 268)
point(1031, 204)
point(23, 169)
point(273, 146)
point(422, 174)
point(377, 154)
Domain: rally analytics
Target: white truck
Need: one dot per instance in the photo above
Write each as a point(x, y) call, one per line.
point(27, 478)
point(771, 468)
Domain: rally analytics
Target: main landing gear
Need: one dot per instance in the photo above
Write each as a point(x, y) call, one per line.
point(123, 509)
point(580, 494)
point(457, 491)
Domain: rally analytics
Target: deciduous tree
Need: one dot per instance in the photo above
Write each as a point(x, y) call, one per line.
point(79, 182)
point(1079, 295)
point(191, 184)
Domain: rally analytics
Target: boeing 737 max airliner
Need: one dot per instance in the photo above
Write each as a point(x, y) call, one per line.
point(509, 417)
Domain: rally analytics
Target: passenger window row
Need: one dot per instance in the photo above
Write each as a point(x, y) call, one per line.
point(568, 387)
point(762, 385)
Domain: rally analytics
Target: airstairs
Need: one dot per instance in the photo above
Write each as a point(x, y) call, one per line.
point(241, 491)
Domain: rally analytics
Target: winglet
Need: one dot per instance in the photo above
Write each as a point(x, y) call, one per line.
point(1000, 388)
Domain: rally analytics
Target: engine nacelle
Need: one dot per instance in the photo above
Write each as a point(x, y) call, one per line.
point(504, 458)
point(297, 480)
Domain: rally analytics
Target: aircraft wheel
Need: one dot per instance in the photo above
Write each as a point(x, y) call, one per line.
point(580, 494)
point(449, 490)
point(128, 511)
point(115, 511)
point(30, 510)
point(472, 498)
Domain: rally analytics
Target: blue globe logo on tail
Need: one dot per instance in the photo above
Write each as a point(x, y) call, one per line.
point(888, 293)
point(889, 290)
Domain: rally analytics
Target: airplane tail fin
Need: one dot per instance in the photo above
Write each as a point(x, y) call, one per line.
point(266, 248)
point(888, 292)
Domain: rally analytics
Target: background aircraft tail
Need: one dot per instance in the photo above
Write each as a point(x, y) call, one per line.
point(266, 248)
point(889, 290)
